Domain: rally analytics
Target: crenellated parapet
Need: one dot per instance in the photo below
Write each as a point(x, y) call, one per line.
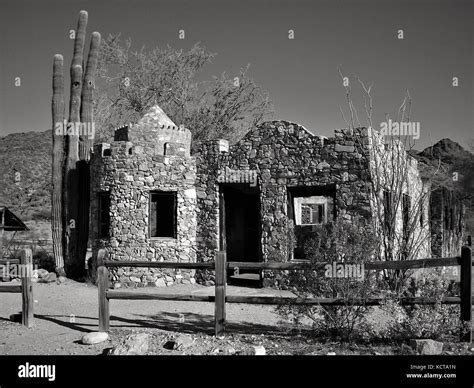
point(156, 131)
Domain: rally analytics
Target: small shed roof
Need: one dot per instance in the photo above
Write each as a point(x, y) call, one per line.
point(9, 221)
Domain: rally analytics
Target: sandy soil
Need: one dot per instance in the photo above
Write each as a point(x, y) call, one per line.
point(65, 312)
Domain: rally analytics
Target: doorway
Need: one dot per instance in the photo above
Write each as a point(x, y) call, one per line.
point(240, 231)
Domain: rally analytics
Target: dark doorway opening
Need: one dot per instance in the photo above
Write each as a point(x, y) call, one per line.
point(240, 231)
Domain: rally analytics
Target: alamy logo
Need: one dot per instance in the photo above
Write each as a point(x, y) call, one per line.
point(37, 371)
point(75, 129)
point(344, 271)
point(394, 128)
point(17, 270)
point(238, 176)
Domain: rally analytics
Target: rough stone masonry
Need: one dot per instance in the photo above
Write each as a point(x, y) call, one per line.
point(152, 199)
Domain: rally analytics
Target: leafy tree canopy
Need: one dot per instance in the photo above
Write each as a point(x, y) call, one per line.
point(130, 82)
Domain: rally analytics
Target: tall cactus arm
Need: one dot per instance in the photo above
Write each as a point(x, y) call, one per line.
point(80, 40)
point(76, 87)
point(71, 195)
point(87, 116)
point(58, 163)
point(85, 143)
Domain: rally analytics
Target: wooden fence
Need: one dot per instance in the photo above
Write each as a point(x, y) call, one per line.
point(24, 268)
point(15, 245)
point(220, 298)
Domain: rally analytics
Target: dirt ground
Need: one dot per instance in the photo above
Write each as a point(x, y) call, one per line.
point(65, 312)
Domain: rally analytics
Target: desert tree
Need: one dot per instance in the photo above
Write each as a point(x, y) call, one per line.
point(134, 80)
point(399, 194)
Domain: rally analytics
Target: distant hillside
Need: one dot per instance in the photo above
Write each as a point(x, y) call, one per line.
point(26, 157)
point(446, 150)
point(444, 157)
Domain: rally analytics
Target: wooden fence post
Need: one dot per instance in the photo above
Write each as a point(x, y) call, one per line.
point(221, 280)
point(103, 285)
point(26, 272)
point(466, 292)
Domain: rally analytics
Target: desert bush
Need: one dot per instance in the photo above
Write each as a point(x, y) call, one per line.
point(436, 321)
point(339, 242)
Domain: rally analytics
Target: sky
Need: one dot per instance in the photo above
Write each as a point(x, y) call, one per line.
point(300, 74)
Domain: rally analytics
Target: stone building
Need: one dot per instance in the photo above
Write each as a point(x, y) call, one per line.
point(152, 199)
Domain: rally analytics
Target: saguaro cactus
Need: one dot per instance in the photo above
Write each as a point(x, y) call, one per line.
point(73, 185)
point(85, 143)
point(58, 164)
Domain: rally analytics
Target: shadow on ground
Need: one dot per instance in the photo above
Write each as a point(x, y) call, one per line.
point(186, 322)
point(192, 323)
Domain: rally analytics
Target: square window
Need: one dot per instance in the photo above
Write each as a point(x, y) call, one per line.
point(163, 214)
point(310, 210)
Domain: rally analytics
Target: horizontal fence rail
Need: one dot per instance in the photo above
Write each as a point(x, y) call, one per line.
point(25, 270)
point(10, 289)
point(220, 265)
point(270, 299)
point(119, 294)
point(374, 265)
point(334, 301)
point(158, 264)
point(273, 265)
point(18, 242)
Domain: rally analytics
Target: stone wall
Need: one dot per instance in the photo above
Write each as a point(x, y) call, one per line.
point(129, 172)
point(282, 155)
point(277, 160)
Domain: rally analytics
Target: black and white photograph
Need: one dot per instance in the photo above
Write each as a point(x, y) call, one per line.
point(186, 185)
